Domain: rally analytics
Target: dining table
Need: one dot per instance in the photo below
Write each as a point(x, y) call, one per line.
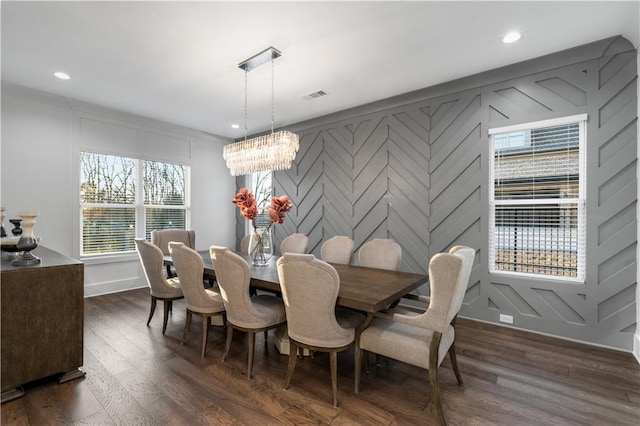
point(368, 290)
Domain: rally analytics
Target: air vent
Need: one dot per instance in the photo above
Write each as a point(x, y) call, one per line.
point(314, 95)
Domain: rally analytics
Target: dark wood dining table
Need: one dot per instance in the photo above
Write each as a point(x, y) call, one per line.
point(365, 289)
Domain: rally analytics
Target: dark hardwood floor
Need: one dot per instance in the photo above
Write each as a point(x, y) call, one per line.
point(135, 375)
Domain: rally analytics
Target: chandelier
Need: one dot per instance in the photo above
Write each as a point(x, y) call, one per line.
point(270, 152)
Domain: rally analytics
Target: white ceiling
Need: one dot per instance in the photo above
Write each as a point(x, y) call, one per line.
point(177, 61)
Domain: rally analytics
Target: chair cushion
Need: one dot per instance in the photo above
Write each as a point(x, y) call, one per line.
point(173, 289)
point(270, 310)
point(211, 306)
point(403, 342)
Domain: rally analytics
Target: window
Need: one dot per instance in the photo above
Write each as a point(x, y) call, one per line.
point(537, 206)
point(121, 198)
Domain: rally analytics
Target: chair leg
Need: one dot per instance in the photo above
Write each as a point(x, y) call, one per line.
point(171, 306)
point(252, 343)
point(187, 326)
point(435, 390)
point(433, 375)
point(266, 336)
point(357, 366)
point(378, 360)
point(365, 355)
point(227, 345)
point(454, 363)
point(152, 310)
point(165, 318)
point(333, 360)
point(293, 351)
point(205, 333)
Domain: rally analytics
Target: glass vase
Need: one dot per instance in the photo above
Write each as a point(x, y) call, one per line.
point(27, 241)
point(260, 246)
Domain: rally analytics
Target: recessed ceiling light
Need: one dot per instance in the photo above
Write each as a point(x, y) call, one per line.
point(235, 126)
point(62, 75)
point(511, 37)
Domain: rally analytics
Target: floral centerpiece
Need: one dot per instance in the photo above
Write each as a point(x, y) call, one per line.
point(260, 247)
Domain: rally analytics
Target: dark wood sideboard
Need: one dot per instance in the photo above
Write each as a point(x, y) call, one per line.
point(42, 321)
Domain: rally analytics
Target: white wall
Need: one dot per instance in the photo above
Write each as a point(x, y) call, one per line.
point(41, 138)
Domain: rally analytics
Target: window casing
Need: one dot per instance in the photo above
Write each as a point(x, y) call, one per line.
point(123, 198)
point(537, 204)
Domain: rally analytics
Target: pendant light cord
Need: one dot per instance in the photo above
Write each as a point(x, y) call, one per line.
point(246, 108)
point(273, 107)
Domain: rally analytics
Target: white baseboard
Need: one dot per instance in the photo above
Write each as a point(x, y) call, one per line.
point(108, 287)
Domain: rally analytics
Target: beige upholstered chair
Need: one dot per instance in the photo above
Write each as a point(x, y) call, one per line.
point(244, 313)
point(380, 253)
point(294, 243)
point(200, 301)
point(424, 340)
point(160, 287)
point(338, 249)
point(162, 237)
point(310, 290)
point(244, 244)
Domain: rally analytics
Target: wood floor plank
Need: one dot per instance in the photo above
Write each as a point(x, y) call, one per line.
point(115, 399)
point(137, 375)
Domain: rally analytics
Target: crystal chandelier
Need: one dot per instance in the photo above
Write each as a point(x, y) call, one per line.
point(274, 151)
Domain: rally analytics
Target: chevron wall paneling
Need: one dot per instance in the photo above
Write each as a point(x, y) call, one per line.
point(418, 173)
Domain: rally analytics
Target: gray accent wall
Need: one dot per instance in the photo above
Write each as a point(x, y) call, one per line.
point(415, 168)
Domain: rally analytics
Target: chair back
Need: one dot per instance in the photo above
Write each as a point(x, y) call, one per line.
point(338, 249)
point(152, 263)
point(380, 253)
point(310, 290)
point(190, 268)
point(233, 277)
point(244, 244)
point(294, 243)
point(448, 280)
point(161, 238)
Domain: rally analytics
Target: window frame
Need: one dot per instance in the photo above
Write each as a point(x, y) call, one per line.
point(139, 207)
point(580, 201)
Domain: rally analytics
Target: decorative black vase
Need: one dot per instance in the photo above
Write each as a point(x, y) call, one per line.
point(27, 241)
point(17, 230)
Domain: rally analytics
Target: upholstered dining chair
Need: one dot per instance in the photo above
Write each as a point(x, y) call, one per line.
point(244, 313)
point(244, 244)
point(162, 237)
point(310, 289)
point(200, 301)
point(380, 253)
point(423, 340)
point(294, 243)
point(338, 249)
point(161, 288)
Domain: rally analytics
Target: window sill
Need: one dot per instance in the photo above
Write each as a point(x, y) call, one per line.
point(109, 258)
point(543, 278)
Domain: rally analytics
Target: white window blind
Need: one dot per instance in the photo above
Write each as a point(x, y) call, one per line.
point(121, 198)
point(537, 208)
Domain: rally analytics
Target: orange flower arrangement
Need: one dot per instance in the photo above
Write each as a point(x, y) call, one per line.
point(279, 207)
